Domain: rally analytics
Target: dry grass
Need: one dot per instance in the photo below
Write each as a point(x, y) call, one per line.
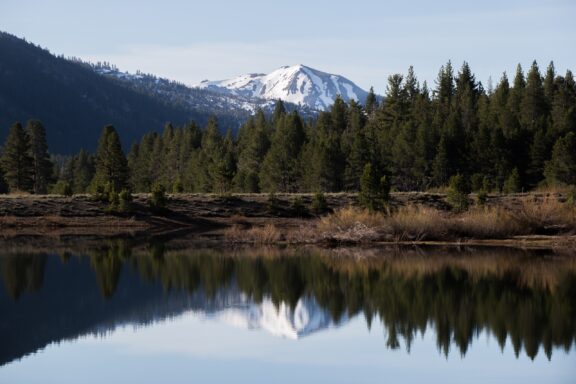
point(418, 223)
point(422, 223)
point(351, 225)
point(349, 217)
point(267, 234)
point(488, 223)
point(547, 212)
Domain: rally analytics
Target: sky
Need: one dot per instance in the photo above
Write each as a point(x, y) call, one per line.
point(365, 41)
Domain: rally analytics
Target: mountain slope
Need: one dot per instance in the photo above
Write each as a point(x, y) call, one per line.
point(297, 84)
point(231, 109)
point(73, 101)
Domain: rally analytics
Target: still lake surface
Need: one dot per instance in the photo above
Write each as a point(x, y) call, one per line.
point(155, 312)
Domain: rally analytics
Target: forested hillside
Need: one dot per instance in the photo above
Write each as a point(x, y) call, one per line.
point(73, 101)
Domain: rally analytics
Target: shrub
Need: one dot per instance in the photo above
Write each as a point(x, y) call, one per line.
point(374, 190)
point(477, 182)
point(158, 201)
point(512, 183)
point(125, 201)
point(62, 188)
point(458, 193)
point(482, 197)
point(178, 187)
point(299, 208)
point(319, 203)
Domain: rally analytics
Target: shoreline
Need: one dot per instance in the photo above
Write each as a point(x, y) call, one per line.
point(228, 220)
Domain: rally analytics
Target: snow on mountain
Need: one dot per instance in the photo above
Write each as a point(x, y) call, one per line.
point(297, 84)
point(307, 317)
point(231, 109)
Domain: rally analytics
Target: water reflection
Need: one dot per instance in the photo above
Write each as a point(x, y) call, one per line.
point(520, 296)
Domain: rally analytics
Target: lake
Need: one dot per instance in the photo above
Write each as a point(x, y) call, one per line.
point(151, 311)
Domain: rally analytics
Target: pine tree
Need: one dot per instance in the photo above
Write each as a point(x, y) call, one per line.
point(371, 103)
point(440, 172)
point(42, 166)
point(225, 167)
point(280, 169)
point(356, 145)
point(253, 144)
point(561, 169)
point(512, 183)
point(563, 106)
point(374, 189)
point(533, 106)
point(459, 189)
point(83, 172)
point(210, 157)
point(16, 162)
point(111, 171)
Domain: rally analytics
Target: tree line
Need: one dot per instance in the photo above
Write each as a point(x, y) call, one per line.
point(508, 138)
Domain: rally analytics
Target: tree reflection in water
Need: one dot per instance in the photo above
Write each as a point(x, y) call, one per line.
point(527, 297)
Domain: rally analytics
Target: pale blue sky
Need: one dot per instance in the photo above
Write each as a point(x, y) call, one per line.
point(363, 40)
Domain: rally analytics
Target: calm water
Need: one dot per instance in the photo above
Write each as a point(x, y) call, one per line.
point(149, 313)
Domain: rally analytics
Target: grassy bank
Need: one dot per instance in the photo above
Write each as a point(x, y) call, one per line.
point(535, 217)
point(253, 218)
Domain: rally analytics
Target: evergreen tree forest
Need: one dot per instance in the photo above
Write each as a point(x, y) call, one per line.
point(515, 136)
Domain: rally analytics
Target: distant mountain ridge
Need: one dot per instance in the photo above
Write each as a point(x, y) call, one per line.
point(72, 101)
point(297, 84)
point(75, 99)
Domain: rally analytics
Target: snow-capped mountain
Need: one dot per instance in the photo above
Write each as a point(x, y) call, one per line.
point(297, 84)
point(231, 109)
point(306, 318)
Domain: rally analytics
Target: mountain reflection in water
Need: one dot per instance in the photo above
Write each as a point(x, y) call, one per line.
point(525, 297)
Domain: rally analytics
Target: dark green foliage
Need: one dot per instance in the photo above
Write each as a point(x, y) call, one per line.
point(561, 169)
point(125, 201)
point(111, 164)
point(16, 163)
point(158, 202)
point(280, 169)
point(253, 144)
point(459, 189)
point(477, 182)
point(512, 183)
point(508, 139)
point(371, 103)
point(374, 189)
point(120, 202)
point(298, 207)
point(482, 197)
point(319, 204)
point(42, 167)
point(81, 171)
point(62, 187)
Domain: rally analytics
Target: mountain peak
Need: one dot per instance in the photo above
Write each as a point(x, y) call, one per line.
point(298, 84)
